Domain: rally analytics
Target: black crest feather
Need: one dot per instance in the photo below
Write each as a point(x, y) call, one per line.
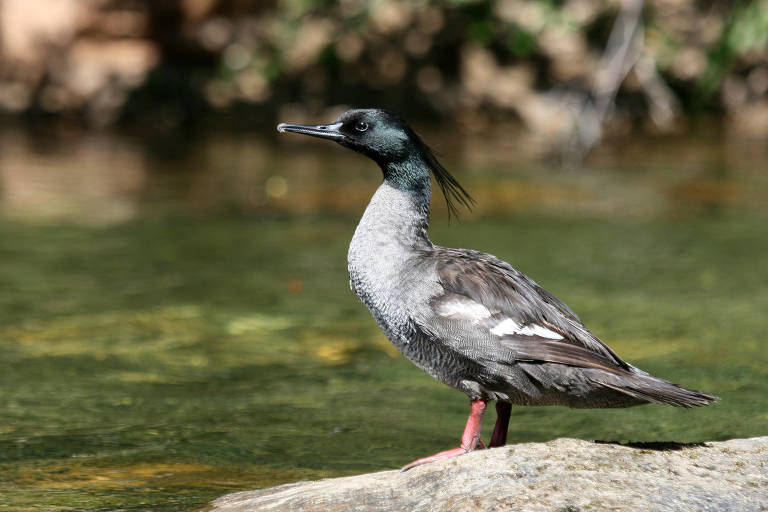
point(452, 190)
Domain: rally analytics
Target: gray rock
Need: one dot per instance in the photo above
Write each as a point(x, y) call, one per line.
point(566, 475)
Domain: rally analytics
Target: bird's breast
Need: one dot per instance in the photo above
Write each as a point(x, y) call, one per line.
point(391, 280)
point(375, 277)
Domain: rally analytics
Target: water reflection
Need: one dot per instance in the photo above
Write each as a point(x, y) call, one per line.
point(106, 178)
point(83, 177)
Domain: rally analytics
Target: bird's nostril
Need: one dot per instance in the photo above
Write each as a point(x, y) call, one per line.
point(323, 127)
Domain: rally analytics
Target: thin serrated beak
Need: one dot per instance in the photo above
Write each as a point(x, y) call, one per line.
point(324, 131)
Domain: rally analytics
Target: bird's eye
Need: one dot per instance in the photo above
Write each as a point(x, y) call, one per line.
point(361, 126)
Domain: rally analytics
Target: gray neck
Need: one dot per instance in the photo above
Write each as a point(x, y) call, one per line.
point(392, 230)
point(396, 217)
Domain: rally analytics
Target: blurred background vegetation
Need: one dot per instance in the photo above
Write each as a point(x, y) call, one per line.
point(541, 63)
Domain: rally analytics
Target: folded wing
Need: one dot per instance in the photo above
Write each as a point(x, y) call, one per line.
point(526, 319)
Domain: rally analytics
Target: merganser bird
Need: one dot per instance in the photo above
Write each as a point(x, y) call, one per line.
point(465, 317)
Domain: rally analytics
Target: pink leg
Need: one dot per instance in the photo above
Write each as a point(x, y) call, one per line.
point(469, 441)
point(499, 437)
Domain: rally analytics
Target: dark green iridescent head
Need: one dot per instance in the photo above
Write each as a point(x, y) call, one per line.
point(385, 138)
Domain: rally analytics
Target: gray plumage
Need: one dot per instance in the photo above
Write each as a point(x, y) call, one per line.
point(467, 318)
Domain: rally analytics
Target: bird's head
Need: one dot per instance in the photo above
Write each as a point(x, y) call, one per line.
point(378, 134)
point(390, 142)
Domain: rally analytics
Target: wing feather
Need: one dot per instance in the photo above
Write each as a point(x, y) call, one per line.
point(549, 331)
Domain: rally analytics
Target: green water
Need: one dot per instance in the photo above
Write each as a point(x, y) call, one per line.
point(200, 337)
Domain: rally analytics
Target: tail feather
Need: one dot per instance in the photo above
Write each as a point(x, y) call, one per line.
point(648, 388)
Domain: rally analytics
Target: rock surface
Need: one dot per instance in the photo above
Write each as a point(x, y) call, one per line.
point(565, 475)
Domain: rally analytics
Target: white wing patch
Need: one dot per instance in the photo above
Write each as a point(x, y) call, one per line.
point(509, 326)
point(459, 307)
point(462, 309)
